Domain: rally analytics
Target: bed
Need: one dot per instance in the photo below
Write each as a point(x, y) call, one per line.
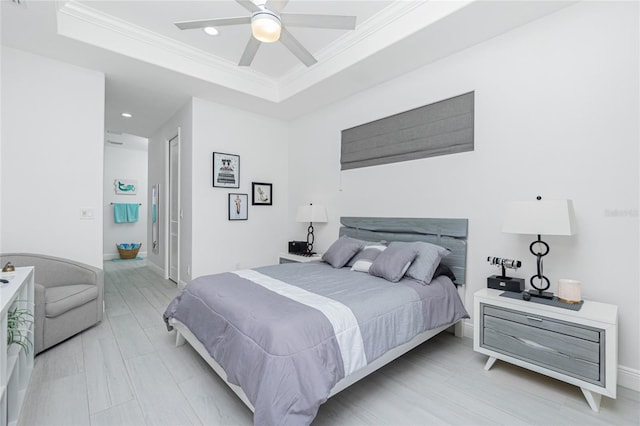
point(287, 337)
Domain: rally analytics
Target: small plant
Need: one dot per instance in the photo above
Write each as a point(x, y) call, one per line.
point(19, 321)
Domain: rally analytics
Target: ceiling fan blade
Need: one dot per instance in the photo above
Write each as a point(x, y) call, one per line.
point(202, 23)
point(296, 48)
point(249, 5)
point(249, 52)
point(276, 5)
point(338, 22)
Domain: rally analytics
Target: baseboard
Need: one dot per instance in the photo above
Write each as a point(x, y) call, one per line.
point(467, 329)
point(627, 377)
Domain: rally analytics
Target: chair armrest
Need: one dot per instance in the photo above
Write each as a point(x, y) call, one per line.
point(53, 271)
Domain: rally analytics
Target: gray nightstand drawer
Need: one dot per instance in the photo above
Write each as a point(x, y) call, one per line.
point(542, 356)
point(543, 323)
point(571, 349)
point(567, 345)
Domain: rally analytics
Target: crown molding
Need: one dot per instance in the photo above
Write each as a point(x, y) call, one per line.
point(392, 24)
point(81, 22)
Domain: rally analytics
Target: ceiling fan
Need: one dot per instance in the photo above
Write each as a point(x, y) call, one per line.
point(268, 25)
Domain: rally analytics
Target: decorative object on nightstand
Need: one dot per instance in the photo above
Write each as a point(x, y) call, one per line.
point(503, 282)
point(569, 291)
point(311, 213)
point(548, 217)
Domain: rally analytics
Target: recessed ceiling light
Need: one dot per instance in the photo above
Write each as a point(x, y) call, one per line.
point(212, 31)
point(126, 115)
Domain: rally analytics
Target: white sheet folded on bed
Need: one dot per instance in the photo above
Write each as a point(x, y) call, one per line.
point(340, 316)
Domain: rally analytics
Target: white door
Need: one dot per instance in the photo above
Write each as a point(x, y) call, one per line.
point(174, 209)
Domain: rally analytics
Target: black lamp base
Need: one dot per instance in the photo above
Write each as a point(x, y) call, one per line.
point(541, 294)
point(310, 239)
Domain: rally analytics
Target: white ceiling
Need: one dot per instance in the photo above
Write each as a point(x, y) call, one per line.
point(152, 68)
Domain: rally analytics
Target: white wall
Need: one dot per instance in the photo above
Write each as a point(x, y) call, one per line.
point(219, 244)
point(125, 163)
point(556, 114)
point(52, 157)
point(158, 166)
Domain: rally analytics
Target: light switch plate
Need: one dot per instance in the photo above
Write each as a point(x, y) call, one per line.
point(87, 213)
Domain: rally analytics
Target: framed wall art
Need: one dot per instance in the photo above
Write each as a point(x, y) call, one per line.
point(238, 206)
point(261, 194)
point(126, 186)
point(226, 170)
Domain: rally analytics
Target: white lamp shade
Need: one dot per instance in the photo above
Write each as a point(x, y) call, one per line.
point(265, 26)
point(540, 217)
point(311, 213)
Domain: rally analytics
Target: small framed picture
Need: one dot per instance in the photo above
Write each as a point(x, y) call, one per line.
point(226, 170)
point(126, 186)
point(261, 194)
point(238, 206)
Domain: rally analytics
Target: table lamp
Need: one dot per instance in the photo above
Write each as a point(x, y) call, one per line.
point(311, 213)
point(548, 217)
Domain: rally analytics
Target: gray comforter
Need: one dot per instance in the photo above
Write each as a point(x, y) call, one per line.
point(286, 334)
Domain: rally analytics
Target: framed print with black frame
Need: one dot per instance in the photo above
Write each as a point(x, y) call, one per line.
point(261, 194)
point(238, 206)
point(226, 170)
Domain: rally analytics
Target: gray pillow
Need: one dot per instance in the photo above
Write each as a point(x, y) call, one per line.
point(426, 261)
point(341, 251)
point(392, 263)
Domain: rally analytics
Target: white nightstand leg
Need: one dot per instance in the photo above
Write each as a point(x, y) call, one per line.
point(592, 398)
point(492, 360)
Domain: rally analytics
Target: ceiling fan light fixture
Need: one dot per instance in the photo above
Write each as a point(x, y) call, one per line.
point(212, 31)
point(266, 26)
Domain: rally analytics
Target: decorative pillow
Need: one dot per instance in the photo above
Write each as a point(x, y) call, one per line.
point(426, 261)
point(341, 251)
point(393, 262)
point(366, 244)
point(362, 261)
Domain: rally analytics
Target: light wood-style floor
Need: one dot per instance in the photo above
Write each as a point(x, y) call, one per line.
point(127, 371)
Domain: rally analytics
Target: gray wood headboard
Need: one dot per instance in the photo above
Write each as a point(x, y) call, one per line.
point(449, 233)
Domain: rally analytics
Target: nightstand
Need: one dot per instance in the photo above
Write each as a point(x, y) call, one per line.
point(577, 347)
point(296, 258)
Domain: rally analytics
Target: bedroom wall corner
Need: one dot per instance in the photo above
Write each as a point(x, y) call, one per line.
point(219, 244)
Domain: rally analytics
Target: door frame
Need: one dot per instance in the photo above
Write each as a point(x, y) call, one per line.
point(168, 208)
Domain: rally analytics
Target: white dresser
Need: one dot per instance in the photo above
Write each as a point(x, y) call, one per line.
point(15, 364)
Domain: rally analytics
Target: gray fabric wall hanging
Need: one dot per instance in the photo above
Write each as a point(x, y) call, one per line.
point(440, 128)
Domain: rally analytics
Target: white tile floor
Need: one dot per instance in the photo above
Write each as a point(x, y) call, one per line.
point(127, 371)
